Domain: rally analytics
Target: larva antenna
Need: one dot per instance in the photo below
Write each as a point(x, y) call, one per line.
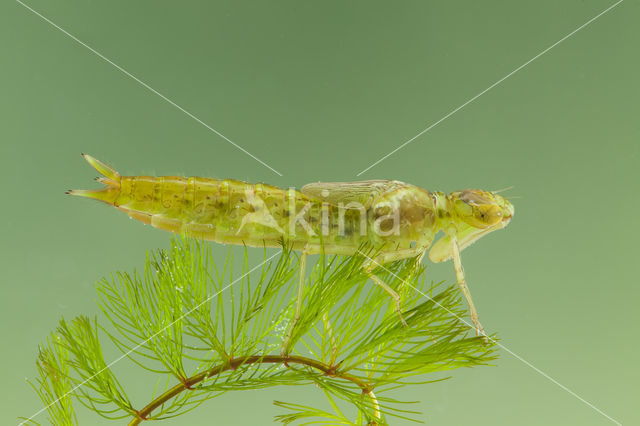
point(503, 189)
point(109, 177)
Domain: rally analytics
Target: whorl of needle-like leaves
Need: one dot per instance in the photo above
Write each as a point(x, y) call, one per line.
point(204, 329)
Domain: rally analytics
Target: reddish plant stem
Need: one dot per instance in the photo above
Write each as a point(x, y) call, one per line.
point(234, 363)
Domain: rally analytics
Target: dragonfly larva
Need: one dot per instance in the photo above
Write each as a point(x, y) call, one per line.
point(399, 220)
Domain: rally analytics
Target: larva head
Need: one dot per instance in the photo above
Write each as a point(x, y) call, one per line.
point(481, 209)
point(472, 214)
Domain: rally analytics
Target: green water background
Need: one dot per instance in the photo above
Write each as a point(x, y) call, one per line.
point(319, 91)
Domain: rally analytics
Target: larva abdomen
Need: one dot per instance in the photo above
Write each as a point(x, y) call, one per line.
point(227, 211)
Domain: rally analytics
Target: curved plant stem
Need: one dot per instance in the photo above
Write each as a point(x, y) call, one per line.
point(234, 363)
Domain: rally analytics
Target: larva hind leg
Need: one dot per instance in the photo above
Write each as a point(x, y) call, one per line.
point(301, 282)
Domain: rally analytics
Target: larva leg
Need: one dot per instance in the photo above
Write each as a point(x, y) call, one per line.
point(390, 291)
point(301, 282)
point(457, 262)
point(385, 258)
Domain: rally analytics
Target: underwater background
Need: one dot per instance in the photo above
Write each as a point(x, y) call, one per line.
point(321, 91)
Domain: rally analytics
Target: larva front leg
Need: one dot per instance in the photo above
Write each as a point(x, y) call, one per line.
point(457, 262)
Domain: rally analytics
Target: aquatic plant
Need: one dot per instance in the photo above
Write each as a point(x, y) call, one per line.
point(202, 329)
